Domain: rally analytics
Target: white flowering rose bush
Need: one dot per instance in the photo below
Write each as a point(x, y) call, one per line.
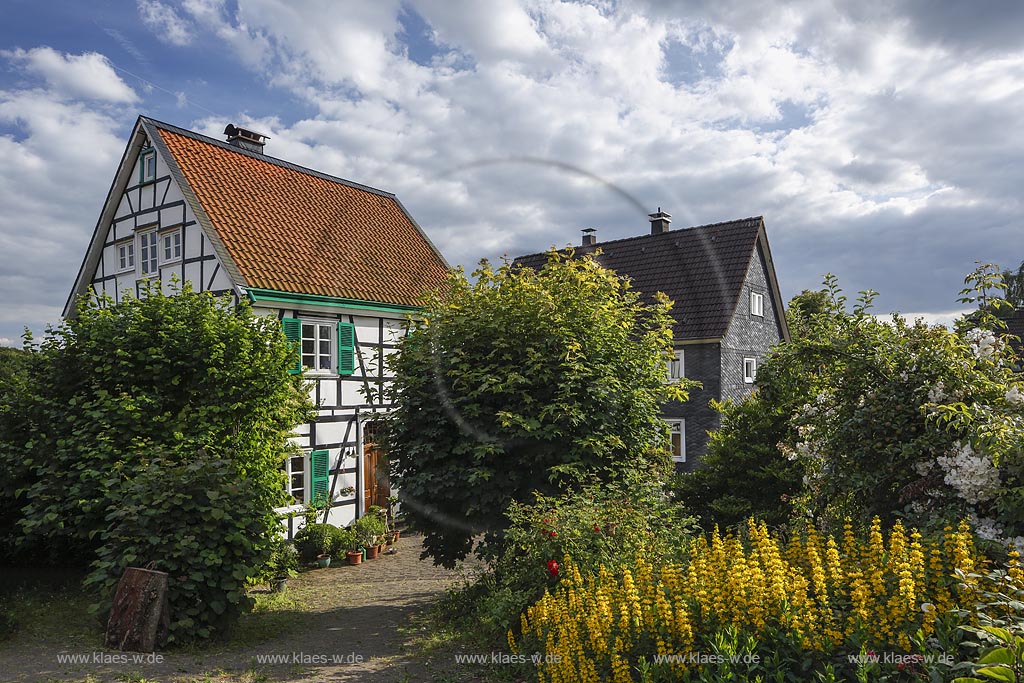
point(905, 420)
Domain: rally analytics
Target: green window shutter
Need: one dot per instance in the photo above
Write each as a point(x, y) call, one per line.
point(319, 469)
point(293, 331)
point(346, 348)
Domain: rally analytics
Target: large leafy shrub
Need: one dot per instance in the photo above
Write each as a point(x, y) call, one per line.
point(313, 540)
point(121, 388)
point(524, 381)
point(194, 518)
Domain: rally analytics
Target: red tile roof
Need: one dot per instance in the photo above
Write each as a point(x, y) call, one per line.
point(295, 230)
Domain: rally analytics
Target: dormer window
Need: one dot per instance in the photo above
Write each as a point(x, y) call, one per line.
point(147, 165)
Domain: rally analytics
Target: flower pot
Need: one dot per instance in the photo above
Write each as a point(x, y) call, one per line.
point(395, 536)
point(380, 548)
point(354, 557)
point(323, 561)
point(371, 552)
point(278, 584)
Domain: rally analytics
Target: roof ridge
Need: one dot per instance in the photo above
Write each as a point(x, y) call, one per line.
point(259, 156)
point(662, 234)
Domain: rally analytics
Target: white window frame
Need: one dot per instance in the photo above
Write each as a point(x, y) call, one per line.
point(757, 304)
point(149, 243)
point(125, 262)
point(332, 345)
point(170, 235)
point(680, 424)
point(305, 477)
point(749, 370)
point(147, 173)
point(678, 364)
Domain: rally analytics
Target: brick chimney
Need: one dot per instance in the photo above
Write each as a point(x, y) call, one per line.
point(659, 222)
point(245, 139)
point(589, 238)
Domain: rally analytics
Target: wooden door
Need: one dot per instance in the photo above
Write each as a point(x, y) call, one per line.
point(376, 483)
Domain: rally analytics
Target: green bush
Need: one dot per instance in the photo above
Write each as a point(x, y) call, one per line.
point(194, 518)
point(283, 561)
point(313, 540)
point(603, 524)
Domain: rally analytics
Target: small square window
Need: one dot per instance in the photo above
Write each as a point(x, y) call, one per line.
point(126, 256)
point(677, 437)
point(171, 250)
point(756, 304)
point(147, 166)
point(148, 252)
point(749, 370)
point(676, 369)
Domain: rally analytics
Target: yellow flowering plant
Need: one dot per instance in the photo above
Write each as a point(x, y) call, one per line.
point(816, 597)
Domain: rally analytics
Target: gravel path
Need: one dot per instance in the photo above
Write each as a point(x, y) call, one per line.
point(360, 628)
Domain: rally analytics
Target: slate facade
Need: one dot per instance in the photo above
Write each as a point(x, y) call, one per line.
point(710, 272)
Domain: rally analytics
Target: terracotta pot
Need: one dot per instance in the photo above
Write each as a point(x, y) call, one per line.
point(354, 557)
point(371, 552)
point(396, 535)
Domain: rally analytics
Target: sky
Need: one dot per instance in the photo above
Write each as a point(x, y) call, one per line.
point(880, 143)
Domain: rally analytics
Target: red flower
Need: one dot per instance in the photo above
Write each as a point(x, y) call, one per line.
point(552, 568)
point(597, 529)
point(552, 534)
point(546, 521)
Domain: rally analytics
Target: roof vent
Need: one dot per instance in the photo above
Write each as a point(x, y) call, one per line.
point(589, 238)
point(659, 222)
point(245, 139)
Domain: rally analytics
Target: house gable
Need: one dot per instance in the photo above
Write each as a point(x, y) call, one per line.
point(137, 206)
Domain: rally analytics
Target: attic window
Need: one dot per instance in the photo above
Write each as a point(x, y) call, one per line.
point(757, 304)
point(147, 165)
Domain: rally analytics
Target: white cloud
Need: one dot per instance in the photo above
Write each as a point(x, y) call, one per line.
point(89, 75)
point(165, 22)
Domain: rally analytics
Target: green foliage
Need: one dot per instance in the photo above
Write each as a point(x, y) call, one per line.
point(313, 540)
point(368, 530)
point(999, 636)
point(603, 524)
point(283, 561)
point(739, 478)
point(1014, 283)
point(194, 518)
point(344, 541)
point(524, 381)
point(120, 389)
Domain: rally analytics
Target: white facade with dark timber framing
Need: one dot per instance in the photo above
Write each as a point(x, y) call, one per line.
point(340, 264)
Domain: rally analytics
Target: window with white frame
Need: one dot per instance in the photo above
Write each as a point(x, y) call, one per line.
point(148, 252)
point(676, 367)
point(677, 436)
point(756, 304)
point(318, 346)
point(170, 246)
point(295, 471)
point(749, 370)
point(147, 166)
point(125, 255)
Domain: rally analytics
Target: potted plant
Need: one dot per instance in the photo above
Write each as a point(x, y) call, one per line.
point(323, 560)
point(282, 564)
point(347, 543)
point(367, 529)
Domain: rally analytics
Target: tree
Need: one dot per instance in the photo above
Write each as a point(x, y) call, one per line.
point(524, 381)
point(1014, 281)
point(179, 384)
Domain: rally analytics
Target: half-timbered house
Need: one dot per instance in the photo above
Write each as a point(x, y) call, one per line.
point(341, 265)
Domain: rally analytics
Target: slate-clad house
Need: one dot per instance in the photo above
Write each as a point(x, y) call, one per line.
point(728, 310)
point(339, 263)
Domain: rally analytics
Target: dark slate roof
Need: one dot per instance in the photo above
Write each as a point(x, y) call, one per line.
point(702, 269)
